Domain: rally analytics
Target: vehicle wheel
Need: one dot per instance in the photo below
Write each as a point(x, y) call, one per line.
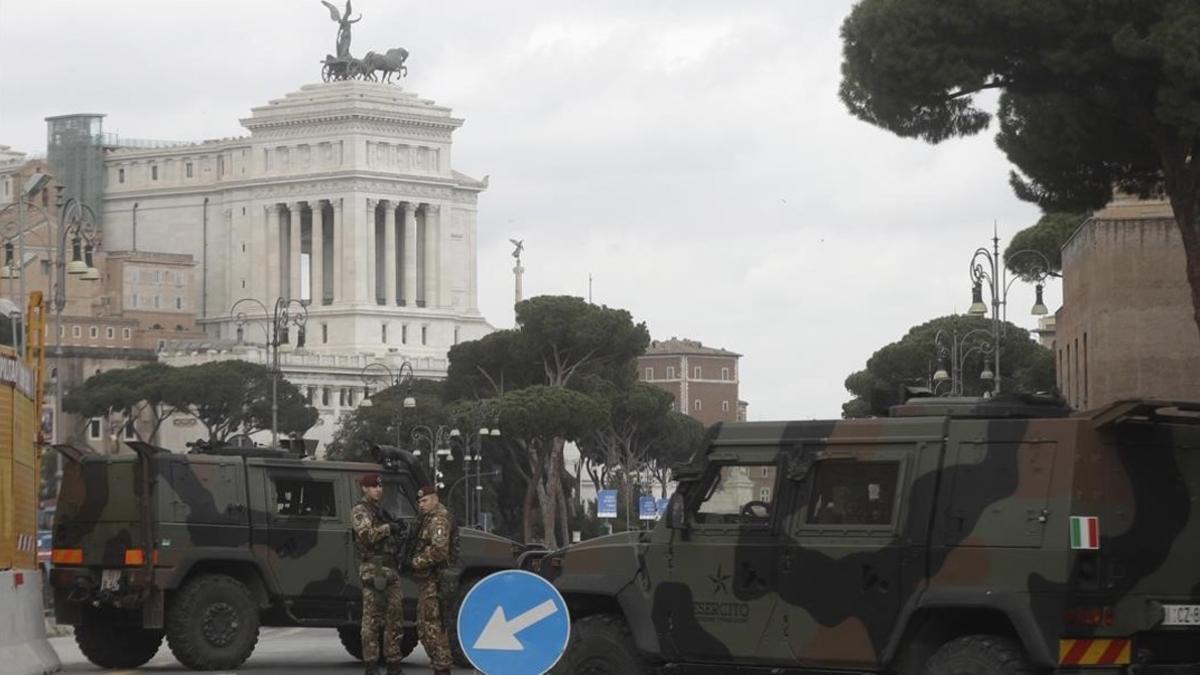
point(351, 637)
point(212, 623)
point(460, 657)
point(110, 643)
point(601, 644)
point(979, 655)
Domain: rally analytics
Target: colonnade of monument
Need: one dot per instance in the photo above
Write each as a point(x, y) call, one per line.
point(401, 257)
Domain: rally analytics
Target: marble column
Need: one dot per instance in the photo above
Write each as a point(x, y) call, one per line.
point(316, 255)
point(389, 253)
point(339, 248)
point(366, 257)
point(295, 237)
point(432, 233)
point(410, 254)
point(274, 249)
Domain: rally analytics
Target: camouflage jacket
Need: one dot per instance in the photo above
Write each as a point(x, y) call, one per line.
point(373, 542)
point(437, 543)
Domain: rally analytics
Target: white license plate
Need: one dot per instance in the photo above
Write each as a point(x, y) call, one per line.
point(110, 580)
point(1181, 615)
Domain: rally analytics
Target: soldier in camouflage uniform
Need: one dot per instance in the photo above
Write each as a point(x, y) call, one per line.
point(436, 550)
point(378, 555)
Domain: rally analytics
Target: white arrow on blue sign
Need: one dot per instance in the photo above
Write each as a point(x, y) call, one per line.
point(513, 622)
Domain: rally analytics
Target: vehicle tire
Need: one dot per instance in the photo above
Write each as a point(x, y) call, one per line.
point(979, 655)
point(110, 643)
point(351, 637)
point(601, 644)
point(460, 657)
point(212, 623)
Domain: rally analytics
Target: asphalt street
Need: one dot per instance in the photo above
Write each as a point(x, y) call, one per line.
point(280, 650)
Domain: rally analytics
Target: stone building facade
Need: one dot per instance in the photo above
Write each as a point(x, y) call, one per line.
point(703, 380)
point(342, 196)
point(1126, 327)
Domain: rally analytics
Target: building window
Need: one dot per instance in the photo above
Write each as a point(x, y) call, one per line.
point(178, 302)
point(76, 331)
point(764, 494)
point(696, 405)
point(324, 333)
point(188, 169)
point(342, 397)
point(649, 373)
point(153, 172)
point(133, 301)
point(110, 333)
point(162, 344)
point(383, 333)
point(120, 175)
point(62, 331)
point(724, 406)
point(45, 267)
point(94, 429)
point(325, 396)
point(456, 335)
point(424, 334)
point(157, 301)
point(308, 395)
point(670, 372)
point(129, 430)
point(93, 332)
point(725, 374)
point(404, 334)
point(696, 373)
point(126, 333)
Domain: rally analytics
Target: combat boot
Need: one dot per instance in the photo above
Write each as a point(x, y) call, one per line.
point(394, 669)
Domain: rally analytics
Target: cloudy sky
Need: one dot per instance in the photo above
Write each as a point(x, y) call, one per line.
point(692, 156)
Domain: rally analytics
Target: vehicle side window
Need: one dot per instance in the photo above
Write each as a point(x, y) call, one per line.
point(853, 493)
point(302, 498)
point(739, 495)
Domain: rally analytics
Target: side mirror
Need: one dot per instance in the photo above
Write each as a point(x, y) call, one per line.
point(676, 515)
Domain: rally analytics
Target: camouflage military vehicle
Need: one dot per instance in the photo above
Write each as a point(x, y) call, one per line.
point(206, 547)
point(954, 537)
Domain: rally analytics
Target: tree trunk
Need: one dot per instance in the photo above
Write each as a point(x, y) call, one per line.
point(535, 476)
point(1181, 169)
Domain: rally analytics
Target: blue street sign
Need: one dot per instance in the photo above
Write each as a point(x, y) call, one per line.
point(513, 622)
point(606, 504)
point(646, 508)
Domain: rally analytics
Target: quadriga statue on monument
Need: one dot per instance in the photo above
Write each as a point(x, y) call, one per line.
point(344, 66)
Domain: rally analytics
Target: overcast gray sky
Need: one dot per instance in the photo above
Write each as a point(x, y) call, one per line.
point(691, 155)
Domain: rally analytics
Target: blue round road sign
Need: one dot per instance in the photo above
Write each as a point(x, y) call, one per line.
point(513, 622)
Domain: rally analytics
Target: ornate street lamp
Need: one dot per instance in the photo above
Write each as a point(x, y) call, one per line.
point(285, 314)
point(955, 353)
point(987, 270)
point(401, 379)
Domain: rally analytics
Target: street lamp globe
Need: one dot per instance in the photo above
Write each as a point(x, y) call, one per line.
point(941, 375)
point(495, 431)
point(1039, 307)
point(455, 433)
point(410, 402)
point(987, 375)
point(977, 306)
point(366, 402)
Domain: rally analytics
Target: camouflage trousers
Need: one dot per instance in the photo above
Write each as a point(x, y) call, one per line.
point(382, 612)
point(430, 626)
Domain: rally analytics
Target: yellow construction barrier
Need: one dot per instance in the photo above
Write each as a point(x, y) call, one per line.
point(23, 645)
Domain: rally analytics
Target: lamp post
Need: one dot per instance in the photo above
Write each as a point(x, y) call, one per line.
point(401, 379)
point(956, 353)
point(285, 313)
point(473, 455)
point(438, 440)
point(987, 267)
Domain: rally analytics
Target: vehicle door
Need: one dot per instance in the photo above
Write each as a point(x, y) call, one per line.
point(715, 581)
point(309, 544)
point(841, 574)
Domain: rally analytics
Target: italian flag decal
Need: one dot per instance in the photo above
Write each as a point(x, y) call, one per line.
point(1085, 532)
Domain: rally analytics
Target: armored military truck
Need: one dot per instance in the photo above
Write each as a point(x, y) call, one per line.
point(953, 537)
point(205, 547)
